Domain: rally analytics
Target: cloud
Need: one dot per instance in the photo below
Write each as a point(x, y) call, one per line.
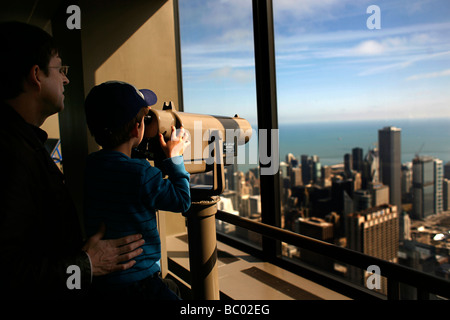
point(288, 11)
point(386, 67)
point(370, 47)
point(238, 75)
point(226, 13)
point(437, 74)
point(403, 63)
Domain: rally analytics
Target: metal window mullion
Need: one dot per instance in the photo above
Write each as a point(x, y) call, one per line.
point(267, 116)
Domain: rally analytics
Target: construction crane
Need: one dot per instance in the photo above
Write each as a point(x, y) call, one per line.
point(420, 149)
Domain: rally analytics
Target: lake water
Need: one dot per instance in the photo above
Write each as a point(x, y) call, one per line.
point(330, 141)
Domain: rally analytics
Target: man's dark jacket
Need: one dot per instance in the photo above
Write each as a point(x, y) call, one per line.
point(40, 234)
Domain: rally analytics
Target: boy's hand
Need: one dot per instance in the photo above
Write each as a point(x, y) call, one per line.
point(177, 143)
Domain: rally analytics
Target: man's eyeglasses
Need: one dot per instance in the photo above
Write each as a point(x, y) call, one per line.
point(63, 69)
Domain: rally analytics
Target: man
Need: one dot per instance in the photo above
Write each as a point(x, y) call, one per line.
point(40, 235)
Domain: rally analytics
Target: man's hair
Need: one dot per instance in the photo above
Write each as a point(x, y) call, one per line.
point(111, 139)
point(23, 46)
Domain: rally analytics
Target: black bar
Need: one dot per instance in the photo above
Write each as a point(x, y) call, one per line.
point(72, 121)
point(422, 294)
point(267, 116)
point(393, 292)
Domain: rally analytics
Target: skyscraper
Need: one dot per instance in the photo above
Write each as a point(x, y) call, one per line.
point(390, 163)
point(318, 229)
point(438, 185)
point(348, 165)
point(371, 168)
point(446, 194)
point(380, 193)
point(374, 231)
point(357, 155)
point(447, 170)
point(423, 187)
point(407, 177)
point(306, 169)
point(427, 186)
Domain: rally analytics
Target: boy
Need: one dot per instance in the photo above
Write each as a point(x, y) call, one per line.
point(124, 193)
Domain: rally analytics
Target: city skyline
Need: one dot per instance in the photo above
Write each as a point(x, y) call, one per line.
point(327, 198)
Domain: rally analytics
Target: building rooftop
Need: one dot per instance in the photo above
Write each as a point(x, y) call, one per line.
point(391, 128)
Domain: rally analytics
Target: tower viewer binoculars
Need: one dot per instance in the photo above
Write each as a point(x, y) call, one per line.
point(213, 139)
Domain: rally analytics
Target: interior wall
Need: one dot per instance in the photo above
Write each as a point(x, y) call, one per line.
point(51, 126)
point(131, 43)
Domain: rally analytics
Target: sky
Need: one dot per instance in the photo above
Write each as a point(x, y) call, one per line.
point(335, 59)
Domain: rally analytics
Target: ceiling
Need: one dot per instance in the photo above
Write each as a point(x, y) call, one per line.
point(37, 12)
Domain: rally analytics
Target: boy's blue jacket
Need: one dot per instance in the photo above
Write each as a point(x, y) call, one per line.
point(125, 193)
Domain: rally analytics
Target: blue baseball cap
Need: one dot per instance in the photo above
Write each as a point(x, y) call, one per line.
point(112, 104)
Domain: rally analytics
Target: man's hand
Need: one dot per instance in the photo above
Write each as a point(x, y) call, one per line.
point(108, 255)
